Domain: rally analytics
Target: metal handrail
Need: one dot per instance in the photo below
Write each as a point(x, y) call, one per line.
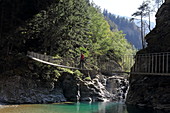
point(152, 63)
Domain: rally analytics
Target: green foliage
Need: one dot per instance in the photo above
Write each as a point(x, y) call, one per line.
point(67, 28)
point(128, 27)
point(87, 78)
point(57, 73)
point(78, 30)
point(66, 70)
point(78, 74)
point(83, 50)
point(105, 41)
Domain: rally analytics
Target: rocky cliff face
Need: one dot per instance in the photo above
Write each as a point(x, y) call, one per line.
point(99, 88)
point(159, 38)
point(33, 82)
point(103, 88)
point(18, 89)
point(153, 91)
point(29, 82)
point(149, 91)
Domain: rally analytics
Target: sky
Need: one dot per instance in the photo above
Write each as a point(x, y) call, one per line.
point(120, 7)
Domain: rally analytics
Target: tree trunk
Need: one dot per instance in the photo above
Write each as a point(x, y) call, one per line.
point(142, 31)
point(149, 21)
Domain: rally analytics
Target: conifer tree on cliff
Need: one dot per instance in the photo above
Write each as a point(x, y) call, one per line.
point(142, 12)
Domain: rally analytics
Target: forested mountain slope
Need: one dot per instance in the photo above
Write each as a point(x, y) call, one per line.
point(62, 28)
point(129, 28)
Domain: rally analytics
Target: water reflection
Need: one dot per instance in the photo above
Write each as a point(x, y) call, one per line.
point(100, 107)
point(111, 108)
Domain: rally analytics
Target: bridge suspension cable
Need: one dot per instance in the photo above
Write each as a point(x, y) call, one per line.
point(142, 64)
point(49, 60)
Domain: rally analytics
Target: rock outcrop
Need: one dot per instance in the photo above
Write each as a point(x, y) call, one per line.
point(18, 89)
point(93, 90)
point(118, 87)
point(34, 82)
point(31, 89)
point(147, 90)
point(99, 88)
point(103, 88)
point(29, 82)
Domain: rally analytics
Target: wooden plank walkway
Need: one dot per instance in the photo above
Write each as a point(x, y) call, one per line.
point(142, 73)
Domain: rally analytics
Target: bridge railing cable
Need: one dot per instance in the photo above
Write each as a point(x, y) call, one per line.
point(67, 62)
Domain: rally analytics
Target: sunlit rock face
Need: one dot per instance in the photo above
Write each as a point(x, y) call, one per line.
point(150, 90)
point(98, 88)
point(103, 88)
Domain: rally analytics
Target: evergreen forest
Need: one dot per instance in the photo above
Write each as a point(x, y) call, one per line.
point(62, 28)
point(128, 27)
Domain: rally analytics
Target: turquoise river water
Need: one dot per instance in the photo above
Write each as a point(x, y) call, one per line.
point(98, 107)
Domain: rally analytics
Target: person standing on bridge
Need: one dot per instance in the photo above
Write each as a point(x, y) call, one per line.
point(82, 61)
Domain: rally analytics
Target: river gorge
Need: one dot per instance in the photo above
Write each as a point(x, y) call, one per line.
point(28, 86)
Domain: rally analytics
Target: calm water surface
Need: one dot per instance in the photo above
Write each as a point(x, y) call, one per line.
point(100, 107)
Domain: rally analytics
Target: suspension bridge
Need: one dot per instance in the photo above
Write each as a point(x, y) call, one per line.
point(50, 60)
point(141, 64)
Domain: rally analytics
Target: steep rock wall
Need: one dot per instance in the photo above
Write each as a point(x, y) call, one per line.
point(149, 90)
point(18, 89)
point(159, 38)
point(29, 82)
